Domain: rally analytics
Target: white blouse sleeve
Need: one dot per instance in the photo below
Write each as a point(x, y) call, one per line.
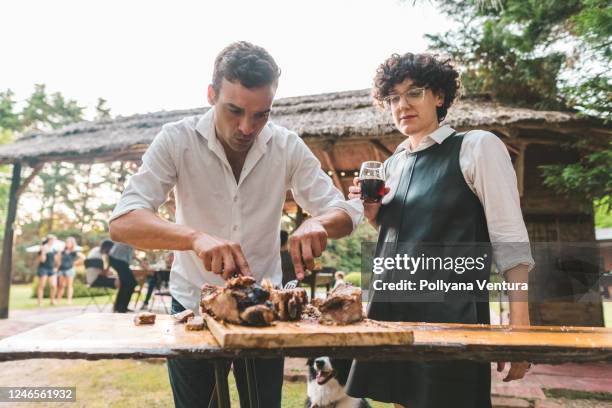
point(488, 171)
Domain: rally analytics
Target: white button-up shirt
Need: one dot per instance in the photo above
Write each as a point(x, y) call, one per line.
point(488, 172)
point(188, 156)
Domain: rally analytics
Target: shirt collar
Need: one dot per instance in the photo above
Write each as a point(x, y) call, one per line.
point(206, 128)
point(439, 135)
point(442, 133)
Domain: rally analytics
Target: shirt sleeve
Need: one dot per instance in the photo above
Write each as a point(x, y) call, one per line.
point(488, 171)
point(314, 190)
point(149, 187)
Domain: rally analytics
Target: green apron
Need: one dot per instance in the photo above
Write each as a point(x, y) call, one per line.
point(431, 205)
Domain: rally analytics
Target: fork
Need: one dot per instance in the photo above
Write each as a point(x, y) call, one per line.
point(291, 284)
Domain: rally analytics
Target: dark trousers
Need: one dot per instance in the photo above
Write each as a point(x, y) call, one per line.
point(151, 284)
point(193, 380)
point(127, 284)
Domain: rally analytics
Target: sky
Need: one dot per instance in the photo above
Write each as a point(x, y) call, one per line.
point(147, 56)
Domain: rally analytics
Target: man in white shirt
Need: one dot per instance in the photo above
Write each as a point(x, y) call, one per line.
point(231, 169)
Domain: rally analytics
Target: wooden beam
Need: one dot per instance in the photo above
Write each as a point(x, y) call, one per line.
point(378, 145)
point(6, 263)
point(330, 165)
point(513, 148)
point(378, 156)
point(35, 170)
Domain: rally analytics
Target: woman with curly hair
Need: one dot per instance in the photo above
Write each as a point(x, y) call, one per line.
point(456, 190)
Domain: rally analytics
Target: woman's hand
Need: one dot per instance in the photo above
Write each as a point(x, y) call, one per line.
point(370, 210)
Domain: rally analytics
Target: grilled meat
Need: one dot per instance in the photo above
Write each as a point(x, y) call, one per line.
point(342, 306)
point(289, 303)
point(241, 301)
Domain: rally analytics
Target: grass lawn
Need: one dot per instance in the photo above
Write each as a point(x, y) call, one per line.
point(125, 383)
point(21, 298)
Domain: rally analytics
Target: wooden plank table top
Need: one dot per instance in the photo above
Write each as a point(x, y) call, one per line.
point(308, 333)
point(102, 336)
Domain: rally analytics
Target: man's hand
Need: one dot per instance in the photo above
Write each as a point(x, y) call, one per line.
point(516, 372)
point(305, 244)
point(370, 210)
point(220, 256)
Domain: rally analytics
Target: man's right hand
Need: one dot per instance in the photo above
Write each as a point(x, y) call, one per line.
point(370, 210)
point(220, 256)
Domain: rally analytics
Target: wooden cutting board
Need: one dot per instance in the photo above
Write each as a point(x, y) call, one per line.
point(308, 334)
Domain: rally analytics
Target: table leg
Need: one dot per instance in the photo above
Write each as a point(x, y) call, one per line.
point(221, 385)
point(251, 382)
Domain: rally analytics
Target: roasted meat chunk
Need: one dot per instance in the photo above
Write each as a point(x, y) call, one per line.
point(342, 306)
point(144, 318)
point(182, 317)
point(289, 303)
point(195, 323)
point(241, 301)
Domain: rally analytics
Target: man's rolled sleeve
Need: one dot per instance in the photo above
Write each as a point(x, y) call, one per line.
point(149, 187)
point(314, 190)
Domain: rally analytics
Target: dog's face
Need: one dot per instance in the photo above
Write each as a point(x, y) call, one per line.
point(323, 369)
point(320, 370)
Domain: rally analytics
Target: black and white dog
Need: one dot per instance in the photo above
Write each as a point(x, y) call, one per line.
point(326, 380)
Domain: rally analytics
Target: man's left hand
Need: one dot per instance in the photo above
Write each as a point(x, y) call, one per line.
point(305, 244)
point(518, 369)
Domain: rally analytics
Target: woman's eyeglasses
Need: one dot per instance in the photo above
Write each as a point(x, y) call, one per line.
point(411, 96)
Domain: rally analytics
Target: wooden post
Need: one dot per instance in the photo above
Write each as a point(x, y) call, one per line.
point(6, 262)
point(520, 169)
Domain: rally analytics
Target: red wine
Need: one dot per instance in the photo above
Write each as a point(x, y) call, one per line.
point(372, 190)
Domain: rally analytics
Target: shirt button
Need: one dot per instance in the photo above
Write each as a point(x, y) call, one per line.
point(235, 228)
point(235, 198)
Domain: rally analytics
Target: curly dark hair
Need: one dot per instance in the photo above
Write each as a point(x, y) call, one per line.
point(425, 70)
point(249, 64)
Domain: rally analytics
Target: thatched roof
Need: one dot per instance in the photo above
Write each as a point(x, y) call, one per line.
point(333, 117)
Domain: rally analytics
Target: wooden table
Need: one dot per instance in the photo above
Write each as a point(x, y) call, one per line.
point(114, 336)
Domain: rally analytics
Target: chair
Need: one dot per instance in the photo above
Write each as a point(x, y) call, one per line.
point(97, 263)
point(92, 299)
point(162, 281)
point(320, 277)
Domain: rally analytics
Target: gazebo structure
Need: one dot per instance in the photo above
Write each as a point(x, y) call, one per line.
point(344, 129)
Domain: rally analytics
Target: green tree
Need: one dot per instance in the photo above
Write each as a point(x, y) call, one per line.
point(44, 112)
point(543, 54)
point(345, 254)
point(9, 119)
point(102, 111)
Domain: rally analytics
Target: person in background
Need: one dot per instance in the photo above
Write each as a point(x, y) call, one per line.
point(69, 257)
point(48, 259)
point(120, 257)
point(286, 263)
point(339, 279)
point(155, 279)
point(97, 274)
